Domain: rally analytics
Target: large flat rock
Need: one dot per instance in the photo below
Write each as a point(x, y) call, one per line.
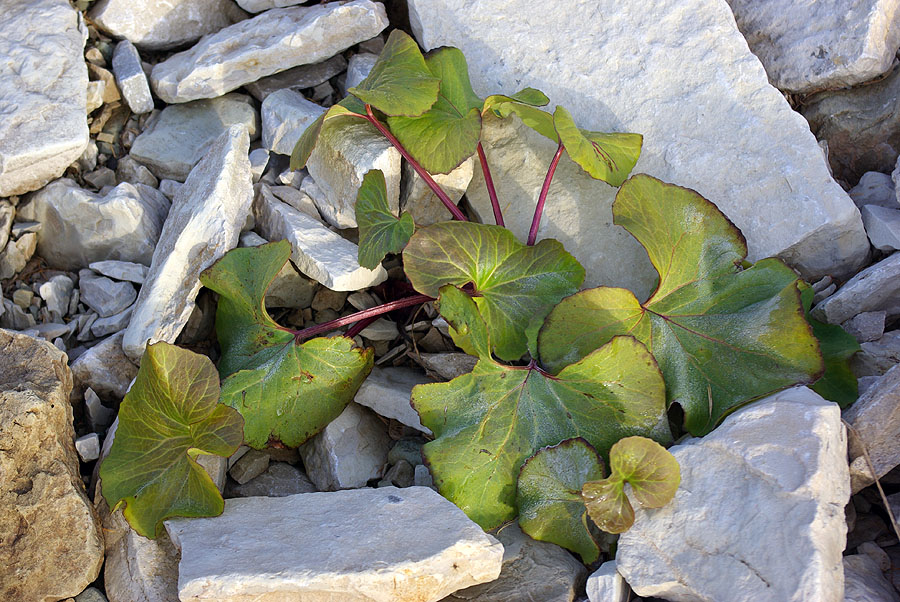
point(43, 99)
point(362, 545)
point(680, 73)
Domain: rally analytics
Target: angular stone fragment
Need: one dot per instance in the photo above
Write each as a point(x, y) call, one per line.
point(132, 80)
point(387, 391)
point(317, 251)
point(112, 324)
point(16, 255)
point(258, 6)
point(875, 188)
point(105, 368)
point(297, 199)
point(80, 227)
point(7, 213)
point(876, 288)
point(425, 207)
point(182, 134)
point(43, 100)
point(103, 295)
point(289, 289)
point(280, 480)
point(129, 170)
point(694, 135)
point(121, 270)
point(297, 78)
point(882, 226)
point(374, 545)
point(875, 418)
point(88, 447)
point(447, 365)
point(204, 223)
point(273, 41)
point(249, 466)
point(259, 158)
point(877, 357)
point(56, 293)
point(285, 115)
point(358, 69)
point(864, 581)
point(773, 474)
point(867, 326)
point(52, 545)
point(607, 585)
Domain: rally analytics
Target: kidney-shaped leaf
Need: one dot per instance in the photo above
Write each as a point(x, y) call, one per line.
point(549, 496)
point(286, 391)
point(607, 157)
point(380, 231)
point(169, 417)
point(514, 283)
point(722, 335)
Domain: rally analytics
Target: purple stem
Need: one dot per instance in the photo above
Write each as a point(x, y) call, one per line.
point(536, 221)
point(359, 327)
point(356, 317)
point(489, 182)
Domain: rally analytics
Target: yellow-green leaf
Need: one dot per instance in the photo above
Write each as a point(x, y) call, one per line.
point(607, 157)
point(380, 231)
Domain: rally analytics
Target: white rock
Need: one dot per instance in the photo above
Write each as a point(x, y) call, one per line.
point(105, 296)
point(377, 545)
point(425, 207)
point(349, 452)
point(297, 199)
point(216, 467)
point(88, 447)
point(882, 227)
point(607, 585)
point(43, 100)
point(204, 223)
point(317, 251)
point(258, 6)
point(864, 581)
point(128, 169)
point(339, 162)
point(132, 80)
point(285, 115)
point(105, 368)
point(259, 158)
point(876, 288)
point(163, 25)
point(121, 270)
point(772, 476)
point(875, 188)
point(7, 213)
point(182, 134)
point(447, 365)
point(388, 390)
point(875, 418)
point(273, 41)
point(297, 78)
point(80, 227)
point(95, 92)
point(696, 131)
point(358, 68)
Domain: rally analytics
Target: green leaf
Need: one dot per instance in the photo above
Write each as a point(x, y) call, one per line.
point(838, 383)
point(524, 104)
point(549, 496)
point(525, 96)
point(654, 476)
point(348, 110)
point(286, 391)
point(380, 232)
point(514, 283)
point(607, 157)
point(400, 82)
point(168, 418)
point(722, 335)
point(448, 133)
point(486, 423)
point(467, 327)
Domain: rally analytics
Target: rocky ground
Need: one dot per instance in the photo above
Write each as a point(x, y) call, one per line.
point(141, 140)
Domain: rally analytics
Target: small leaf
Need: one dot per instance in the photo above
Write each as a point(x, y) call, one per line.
point(549, 496)
point(607, 157)
point(525, 96)
point(608, 506)
point(350, 109)
point(400, 82)
point(467, 328)
point(524, 104)
point(514, 283)
point(380, 232)
point(166, 420)
point(286, 391)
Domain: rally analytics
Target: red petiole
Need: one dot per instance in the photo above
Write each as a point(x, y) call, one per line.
point(363, 315)
point(489, 183)
point(539, 209)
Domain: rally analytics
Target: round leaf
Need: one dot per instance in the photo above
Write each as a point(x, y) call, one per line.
point(607, 505)
point(607, 157)
point(380, 232)
point(652, 471)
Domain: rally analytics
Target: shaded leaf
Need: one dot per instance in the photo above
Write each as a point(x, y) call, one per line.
point(722, 335)
point(349, 110)
point(526, 96)
point(467, 327)
point(169, 417)
point(838, 383)
point(524, 104)
point(607, 157)
point(380, 231)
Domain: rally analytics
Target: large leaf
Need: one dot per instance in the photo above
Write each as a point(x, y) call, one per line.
point(838, 383)
point(400, 82)
point(448, 133)
point(286, 391)
point(549, 496)
point(488, 422)
point(514, 283)
point(525, 105)
point(607, 157)
point(349, 110)
point(380, 231)
point(722, 335)
point(652, 472)
point(169, 417)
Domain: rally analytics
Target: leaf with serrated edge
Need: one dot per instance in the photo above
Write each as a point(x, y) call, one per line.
point(514, 283)
point(380, 231)
point(399, 82)
point(549, 496)
point(607, 157)
point(169, 417)
point(351, 110)
point(486, 423)
point(287, 392)
point(723, 336)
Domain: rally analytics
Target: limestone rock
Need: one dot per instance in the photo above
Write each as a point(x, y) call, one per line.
point(867, 326)
point(273, 41)
point(875, 188)
point(695, 134)
point(877, 357)
point(285, 115)
point(52, 543)
point(882, 227)
point(864, 581)
point(56, 293)
point(388, 391)
point(249, 466)
point(43, 100)
point(358, 69)
point(258, 6)
point(88, 447)
point(182, 134)
point(374, 545)
point(7, 213)
point(876, 288)
point(112, 324)
point(772, 475)
point(105, 368)
point(417, 198)
point(132, 80)
point(121, 270)
point(875, 418)
point(607, 585)
point(80, 227)
point(163, 25)
point(204, 223)
point(16, 255)
point(297, 78)
point(103, 295)
point(280, 480)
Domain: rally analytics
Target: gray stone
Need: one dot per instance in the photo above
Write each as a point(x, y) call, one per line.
point(388, 390)
point(216, 467)
point(875, 418)
point(280, 480)
point(864, 581)
point(105, 368)
point(101, 178)
point(99, 416)
point(52, 542)
point(423, 477)
point(772, 475)
point(7, 213)
point(408, 450)
point(882, 227)
point(297, 199)
point(297, 78)
point(349, 452)
point(16, 255)
point(14, 317)
point(876, 288)
point(380, 330)
point(258, 6)
point(80, 227)
point(169, 187)
point(317, 251)
point(163, 25)
point(132, 81)
point(358, 69)
point(112, 324)
point(425, 207)
point(877, 357)
point(43, 100)
point(106, 297)
point(51, 330)
point(867, 326)
point(607, 585)
point(402, 474)
point(694, 134)
point(259, 158)
point(273, 41)
point(321, 546)
point(285, 116)
point(129, 170)
point(876, 553)
point(183, 134)
point(204, 223)
point(91, 594)
point(88, 447)
point(249, 466)
point(447, 365)
point(875, 188)
point(121, 270)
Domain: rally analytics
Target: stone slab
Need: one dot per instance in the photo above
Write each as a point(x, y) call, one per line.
point(130, 77)
point(387, 391)
point(297, 78)
point(876, 288)
point(875, 418)
point(285, 116)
